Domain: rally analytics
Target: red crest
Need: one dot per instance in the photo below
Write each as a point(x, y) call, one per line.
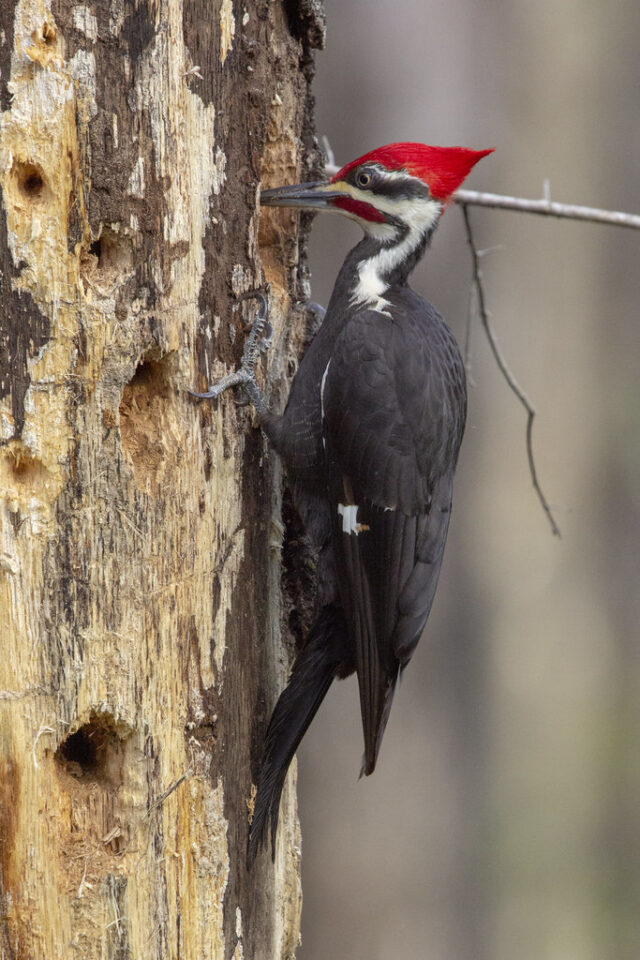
point(442, 168)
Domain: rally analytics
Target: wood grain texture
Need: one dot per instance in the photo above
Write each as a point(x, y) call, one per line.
point(140, 533)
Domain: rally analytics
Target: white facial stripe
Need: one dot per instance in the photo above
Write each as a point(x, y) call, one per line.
point(422, 210)
point(389, 174)
point(419, 215)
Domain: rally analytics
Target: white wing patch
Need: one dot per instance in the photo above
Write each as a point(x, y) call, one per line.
point(349, 514)
point(322, 383)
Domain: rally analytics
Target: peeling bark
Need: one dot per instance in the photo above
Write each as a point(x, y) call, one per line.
point(141, 601)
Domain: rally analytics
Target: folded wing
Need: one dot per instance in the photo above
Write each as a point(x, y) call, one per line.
point(393, 421)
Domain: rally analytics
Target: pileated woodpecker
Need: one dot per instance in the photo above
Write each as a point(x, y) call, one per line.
point(370, 436)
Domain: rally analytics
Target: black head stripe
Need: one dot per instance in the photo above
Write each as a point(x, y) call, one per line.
point(405, 188)
point(398, 186)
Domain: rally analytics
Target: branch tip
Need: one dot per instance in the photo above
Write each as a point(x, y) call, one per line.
point(514, 386)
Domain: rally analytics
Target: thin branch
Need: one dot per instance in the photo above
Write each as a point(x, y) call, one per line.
point(547, 208)
point(506, 372)
point(467, 335)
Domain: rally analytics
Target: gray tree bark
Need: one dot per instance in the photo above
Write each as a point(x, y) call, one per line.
point(141, 598)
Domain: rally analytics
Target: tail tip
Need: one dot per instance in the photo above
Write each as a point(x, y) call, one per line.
point(368, 765)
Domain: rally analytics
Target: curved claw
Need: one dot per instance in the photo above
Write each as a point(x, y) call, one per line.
point(255, 345)
point(267, 336)
point(236, 379)
point(208, 395)
point(257, 295)
point(315, 308)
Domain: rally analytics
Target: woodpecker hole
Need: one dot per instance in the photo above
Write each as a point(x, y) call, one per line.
point(81, 749)
point(24, 476)
point(49, 34)
point(94, 753)
point(108, 260)
point(33, 184)
point(30, 179)
point(22, 466)
point(112, 251)
point(150, 377)
point(44, 48)
point(145, 422)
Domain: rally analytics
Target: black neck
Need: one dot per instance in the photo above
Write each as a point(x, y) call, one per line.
point(369, 248)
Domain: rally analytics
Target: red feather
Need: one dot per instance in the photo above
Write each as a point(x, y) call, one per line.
point(442, 168)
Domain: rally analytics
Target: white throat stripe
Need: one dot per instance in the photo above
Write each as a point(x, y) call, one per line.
point(419, 216)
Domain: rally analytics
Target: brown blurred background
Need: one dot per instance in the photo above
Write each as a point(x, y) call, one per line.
point(503, 822)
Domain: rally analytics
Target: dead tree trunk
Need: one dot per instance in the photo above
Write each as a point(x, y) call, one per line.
point(140, 533)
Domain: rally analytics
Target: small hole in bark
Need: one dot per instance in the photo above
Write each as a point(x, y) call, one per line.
point(48, 34)
point(151, 376)
point(114, 255)
point(30, 179)
point(24, 467)
point(145, 421)
point(94, 752)
point(81, 749)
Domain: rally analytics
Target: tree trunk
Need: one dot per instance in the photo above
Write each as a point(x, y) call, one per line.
point(140, 532)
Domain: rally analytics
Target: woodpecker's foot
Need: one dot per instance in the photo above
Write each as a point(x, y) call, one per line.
point(258, 342)
point(316, 309)
point(308, 318)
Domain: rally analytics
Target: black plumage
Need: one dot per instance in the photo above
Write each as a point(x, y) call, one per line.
point(394, 410)
point(383, 435)
point(370, 436)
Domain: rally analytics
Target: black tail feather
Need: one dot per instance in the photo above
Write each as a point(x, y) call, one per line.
point(316, 665)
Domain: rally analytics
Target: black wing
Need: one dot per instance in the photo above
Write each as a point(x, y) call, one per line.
point(394, 404)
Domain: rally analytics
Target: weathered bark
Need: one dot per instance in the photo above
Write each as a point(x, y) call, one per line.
point(140, 537)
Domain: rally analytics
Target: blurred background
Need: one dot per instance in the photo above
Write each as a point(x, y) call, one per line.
point(503, 820)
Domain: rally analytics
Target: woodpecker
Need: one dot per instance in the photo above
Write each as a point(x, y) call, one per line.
point(370, 437)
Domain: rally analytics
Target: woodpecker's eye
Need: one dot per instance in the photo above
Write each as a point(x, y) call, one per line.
point(364, 178)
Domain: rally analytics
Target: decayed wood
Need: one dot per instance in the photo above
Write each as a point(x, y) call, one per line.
point(140, 533)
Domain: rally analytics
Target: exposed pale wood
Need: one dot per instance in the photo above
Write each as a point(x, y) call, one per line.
point(140, 533)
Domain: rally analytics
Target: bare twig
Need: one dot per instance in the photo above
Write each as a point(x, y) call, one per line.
point(506, 372)
point(467, 336)
point(547, 208)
